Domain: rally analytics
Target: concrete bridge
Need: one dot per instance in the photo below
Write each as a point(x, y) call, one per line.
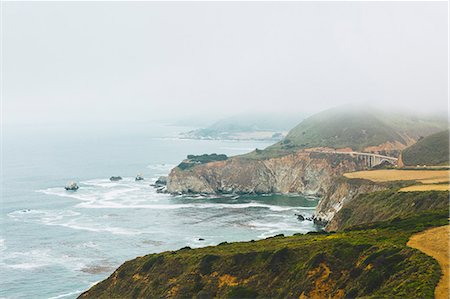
point(370, 159)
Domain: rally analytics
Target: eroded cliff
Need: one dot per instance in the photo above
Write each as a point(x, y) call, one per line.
point(303, 172)
point(341, 192)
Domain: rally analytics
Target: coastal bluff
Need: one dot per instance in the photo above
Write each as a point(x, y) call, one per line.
point(306, 172)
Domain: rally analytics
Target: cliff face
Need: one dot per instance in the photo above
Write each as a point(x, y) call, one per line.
point(303, 172)
point(340, 193)
point(311, 173)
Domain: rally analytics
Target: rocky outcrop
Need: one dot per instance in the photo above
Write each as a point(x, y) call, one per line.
point(303, 172)
point(161, 181)
point(341, 192)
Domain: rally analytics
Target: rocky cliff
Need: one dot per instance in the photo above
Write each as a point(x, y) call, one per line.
point(303, 172)
point(341, 192)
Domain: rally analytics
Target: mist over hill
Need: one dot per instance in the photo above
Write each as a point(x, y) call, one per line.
point(361, 129)
point(248, 126)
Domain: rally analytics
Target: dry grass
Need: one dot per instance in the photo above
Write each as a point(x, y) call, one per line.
point(227, 280)
point(435, 181)
point(433, 187)
point(435, 243)
point(386, 175)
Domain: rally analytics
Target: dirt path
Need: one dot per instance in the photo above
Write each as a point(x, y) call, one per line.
point(435, 242)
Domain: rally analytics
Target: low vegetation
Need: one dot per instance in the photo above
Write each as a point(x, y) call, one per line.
point(193, 160)
point(370, 261)
point(388, 205)
point(205, 158)
point(259, 154)
point(431, 150)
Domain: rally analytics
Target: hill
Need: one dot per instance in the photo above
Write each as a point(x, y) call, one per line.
point(273, 127)
point(366, 262)
point(359, 128)
point(431, 150)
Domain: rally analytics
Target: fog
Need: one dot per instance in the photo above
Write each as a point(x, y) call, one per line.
point(84, 62)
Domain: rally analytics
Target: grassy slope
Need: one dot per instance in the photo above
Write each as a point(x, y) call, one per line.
point(355, 127)
point(387, 205)
point(431, 150)
point(373, 261)
point(340, 128)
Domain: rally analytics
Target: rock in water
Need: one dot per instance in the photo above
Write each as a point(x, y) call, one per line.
point(320, 222)
point(71, 186)
point(300, 217)
point(115, 178)
point(161, 181)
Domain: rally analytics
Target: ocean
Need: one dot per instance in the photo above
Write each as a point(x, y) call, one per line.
point(56, 243)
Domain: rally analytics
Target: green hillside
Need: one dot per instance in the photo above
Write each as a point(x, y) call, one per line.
point(388, 205)
point(371, 262)
point(339, 128)
point(357, 127)
point(431, 150)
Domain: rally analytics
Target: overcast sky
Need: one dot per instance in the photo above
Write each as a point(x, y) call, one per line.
point(144, 61)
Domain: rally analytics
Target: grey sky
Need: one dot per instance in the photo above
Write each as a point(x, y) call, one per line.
point(100, 61)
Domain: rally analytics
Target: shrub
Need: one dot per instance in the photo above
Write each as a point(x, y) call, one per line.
point(201, 159)
point(240, 292)
point(205, 265)
point(151, 261)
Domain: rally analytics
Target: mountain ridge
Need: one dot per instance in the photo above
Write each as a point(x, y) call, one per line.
point(359, 128)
